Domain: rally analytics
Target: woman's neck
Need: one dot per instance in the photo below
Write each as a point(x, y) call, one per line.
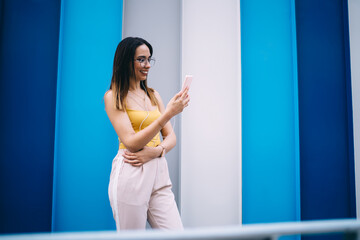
point(134, 85)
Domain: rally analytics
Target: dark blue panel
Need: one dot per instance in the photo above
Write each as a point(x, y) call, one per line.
point(28, 70)
point(326, 155)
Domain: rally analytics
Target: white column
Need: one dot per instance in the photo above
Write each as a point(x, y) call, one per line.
point(211, 125)
point(354, 31)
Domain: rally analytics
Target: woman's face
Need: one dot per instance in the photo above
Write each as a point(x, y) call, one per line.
point(141, 62)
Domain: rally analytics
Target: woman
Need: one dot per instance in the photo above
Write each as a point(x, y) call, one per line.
point(140, 187)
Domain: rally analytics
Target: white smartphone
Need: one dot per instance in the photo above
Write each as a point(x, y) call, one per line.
point(187, 82)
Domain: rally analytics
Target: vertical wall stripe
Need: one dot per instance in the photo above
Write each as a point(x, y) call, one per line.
point(85, 140)
point(210, 127)
point(349, 123)
point(296, 111)
point(28, 65)
point(324, 140)
point(354, 33)
point(270, 134)
point(240, 211)
point(56, 132)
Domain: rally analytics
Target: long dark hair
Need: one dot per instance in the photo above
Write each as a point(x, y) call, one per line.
point(123, 69)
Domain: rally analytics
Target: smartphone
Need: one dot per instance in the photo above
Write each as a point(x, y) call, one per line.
point(187, 82)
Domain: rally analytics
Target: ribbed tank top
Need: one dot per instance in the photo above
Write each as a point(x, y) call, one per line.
point(137, 117)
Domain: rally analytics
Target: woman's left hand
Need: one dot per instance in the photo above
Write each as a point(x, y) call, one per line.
point(141, 157)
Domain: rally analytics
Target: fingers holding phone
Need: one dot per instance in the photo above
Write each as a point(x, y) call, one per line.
point(181, 99)
point(185, 89)
point(187, 82)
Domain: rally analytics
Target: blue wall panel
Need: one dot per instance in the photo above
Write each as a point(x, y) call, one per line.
point(326, 148)
point(269, 112)
point(85, 142)
point(28, 66)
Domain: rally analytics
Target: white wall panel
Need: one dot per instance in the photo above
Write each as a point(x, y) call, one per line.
point(211, 125)
point(354, 30)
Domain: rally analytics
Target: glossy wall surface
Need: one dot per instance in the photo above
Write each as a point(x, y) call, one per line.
point(210, 127)
point(29, 33)
point(85, 142)
point(270, 114)
point(326, 134)
point(354, 39)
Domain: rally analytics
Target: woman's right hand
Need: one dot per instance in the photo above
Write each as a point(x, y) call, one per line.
point(177, 104)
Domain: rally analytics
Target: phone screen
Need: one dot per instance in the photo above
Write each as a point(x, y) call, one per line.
point(187, 81)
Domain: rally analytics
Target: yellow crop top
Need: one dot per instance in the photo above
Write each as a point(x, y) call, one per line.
point(137, 117)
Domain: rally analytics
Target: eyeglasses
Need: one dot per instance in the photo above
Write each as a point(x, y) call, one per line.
point(143, 61)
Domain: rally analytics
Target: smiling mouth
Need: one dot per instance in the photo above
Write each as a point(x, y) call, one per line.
point(144, 72)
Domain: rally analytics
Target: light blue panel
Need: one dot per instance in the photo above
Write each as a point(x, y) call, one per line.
point(85, 142)
point(270, 113)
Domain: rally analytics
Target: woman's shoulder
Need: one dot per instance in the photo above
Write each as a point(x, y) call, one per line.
point(108, 96)
point(109, 93)
point(158, 97)
point(110, 101)
point(156, 93)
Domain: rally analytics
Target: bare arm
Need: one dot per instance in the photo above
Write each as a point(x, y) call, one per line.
point(122, 125)
point(169, 137)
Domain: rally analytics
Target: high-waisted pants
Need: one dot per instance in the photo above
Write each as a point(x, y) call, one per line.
point(142, 193)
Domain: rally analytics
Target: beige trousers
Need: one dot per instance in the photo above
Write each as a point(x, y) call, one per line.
point(142, 193)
